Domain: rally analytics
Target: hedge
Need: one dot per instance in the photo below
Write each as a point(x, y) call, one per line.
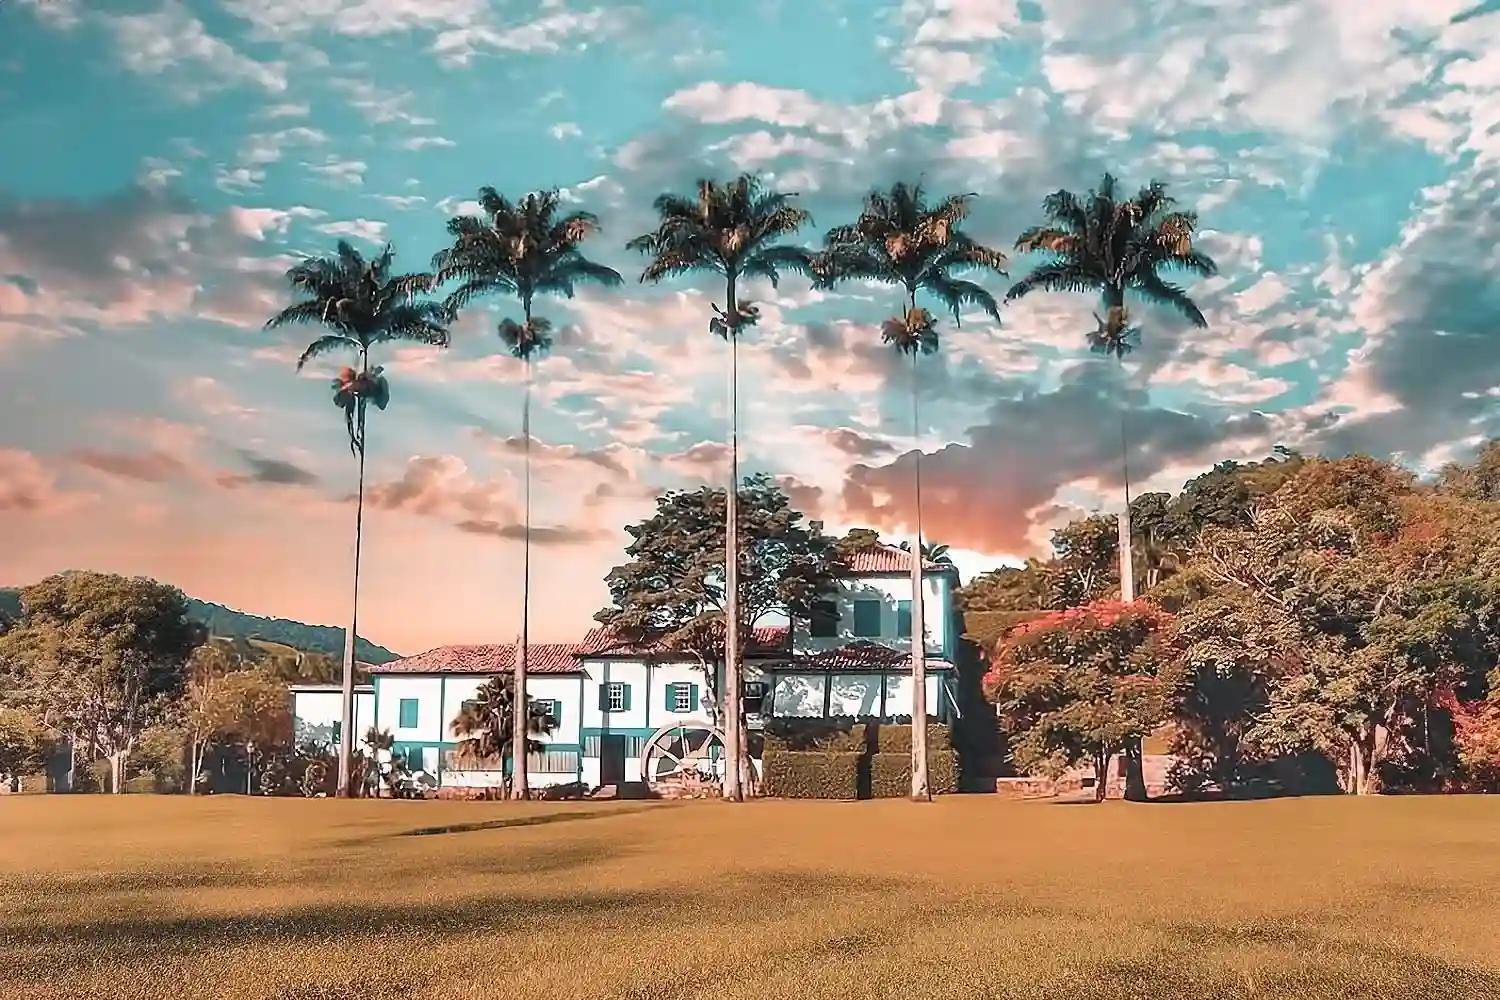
point(811, 774)
point(890, 774)
point(848, 735)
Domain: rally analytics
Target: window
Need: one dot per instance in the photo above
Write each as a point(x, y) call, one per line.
point(681, 697)
point(867, 619)
point(554, 711)
point(903, 619)
point(408, 713)
point(755, 695)
point(614, 697)
point(414, 757)
point(824, 623)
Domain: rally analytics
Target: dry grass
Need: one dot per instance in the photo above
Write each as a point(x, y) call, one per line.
point(970, 897)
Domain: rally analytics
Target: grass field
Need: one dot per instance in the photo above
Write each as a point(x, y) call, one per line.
point(148, 896)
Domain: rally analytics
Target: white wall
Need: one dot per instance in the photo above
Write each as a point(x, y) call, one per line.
point(395, 688)
point(629, 672)
point(320, 708)
point(888, 591)
point(552, 687)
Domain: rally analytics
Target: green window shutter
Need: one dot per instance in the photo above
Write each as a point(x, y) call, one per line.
point(408, 713)
point(824, 622)
point(671, 699)
point(556, 712)
point(867, 619)
point(693, 702)
point(624, 697)
point(903, 619)
point(604, 697)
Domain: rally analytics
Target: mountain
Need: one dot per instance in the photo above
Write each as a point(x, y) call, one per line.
point(230, 624)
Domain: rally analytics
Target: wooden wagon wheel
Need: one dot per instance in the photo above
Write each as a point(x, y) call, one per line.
point(690, 752)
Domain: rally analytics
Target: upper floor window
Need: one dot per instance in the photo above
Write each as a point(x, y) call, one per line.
point(616, 696)
point(408, 713)
point(824, 623)
point(681, 696)
point(903, 619)
point(867, 619)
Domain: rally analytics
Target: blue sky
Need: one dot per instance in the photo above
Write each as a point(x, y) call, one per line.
point(166, 160)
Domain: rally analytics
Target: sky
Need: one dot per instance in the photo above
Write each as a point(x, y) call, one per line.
point(165, 161)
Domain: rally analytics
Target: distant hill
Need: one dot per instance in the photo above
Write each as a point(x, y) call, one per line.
point(231, 624)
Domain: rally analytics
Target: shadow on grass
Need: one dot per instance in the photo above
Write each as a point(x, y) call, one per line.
point(541, 819)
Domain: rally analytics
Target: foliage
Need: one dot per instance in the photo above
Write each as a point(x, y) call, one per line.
point(242, 708)
point(733, 229)
point(161, 754)
point(813, 774)
point(523, 249)
point(1107, 244)
point(890, 774)
point(903, 240)
point(1080, 685)
point(99, 657)
point(24, 743)
point(1479, 480)
point(484, 723)
point(364, 305)
point(227, 623)
point(671, 591)
point(1476, 726)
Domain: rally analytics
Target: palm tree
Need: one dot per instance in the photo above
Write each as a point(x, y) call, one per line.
point(485, 726)
point(937, 554)
point(732, 230)
point(523, 250)
point(1101, 244)
point(364, 305)
point(900, 239)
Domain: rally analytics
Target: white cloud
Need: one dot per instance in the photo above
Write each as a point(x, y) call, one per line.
point(565, 130)
point(170, 42)
point(340, 172)
point(359, 229)
point(427, 142)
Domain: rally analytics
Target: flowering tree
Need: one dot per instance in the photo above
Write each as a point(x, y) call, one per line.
point(1081, 685)
point(1476, 735)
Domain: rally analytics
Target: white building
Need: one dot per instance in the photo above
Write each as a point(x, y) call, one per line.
point(609, 701)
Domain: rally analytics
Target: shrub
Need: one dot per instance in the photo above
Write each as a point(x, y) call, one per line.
point(811, 774)
point(893, 738)
point(890, 774)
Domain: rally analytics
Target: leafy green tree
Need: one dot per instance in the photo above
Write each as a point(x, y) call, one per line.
point(1107, 245)
point(936, 554)
point(734, 231)
point(1081, 686)
point(524, 249)
point(159, 754)
point(1009, 588)
point(901, 240)
point(246, 707)
point(1083, 562)
point(364, 305)
point(24, 744)
point(485, 725)
point(671, 591)
point(1477, 480)
point(100, 657)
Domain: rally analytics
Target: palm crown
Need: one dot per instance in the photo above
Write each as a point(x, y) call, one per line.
point(362, 302)
point(899, 239)
point(521, 249)
point(730, 229)
point(483, 724)
point(1101, 243)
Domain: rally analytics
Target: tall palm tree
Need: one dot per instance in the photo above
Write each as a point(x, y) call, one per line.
point(732, 230)
point(364, 305)
point(1105, 245)
point(900, 239)
point(523, 249)
point(486, 729)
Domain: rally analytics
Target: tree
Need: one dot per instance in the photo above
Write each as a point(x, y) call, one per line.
point(24, 744)
point(249, 707)
point(1081, 685)
point(899, 239)
point(1083, 561)
point(1478, 480)
point(523, 250)
point(485, 724)
point(936, 554)
point(100, 657)
point(672, 593)
point(1104, 245)
point(1009, 588)
point(1476, 733)
point(732, 230)
point(365, 305)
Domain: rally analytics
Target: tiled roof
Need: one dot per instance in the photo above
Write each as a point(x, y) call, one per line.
point(862, 655)
point(542, 658)
point(882, 558)
point(605, 641)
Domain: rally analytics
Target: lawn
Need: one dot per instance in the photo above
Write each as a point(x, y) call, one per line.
point(148, 896)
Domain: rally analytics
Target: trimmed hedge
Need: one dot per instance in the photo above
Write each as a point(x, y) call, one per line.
point(847, 735)
point(811, 774)
point(890, 774)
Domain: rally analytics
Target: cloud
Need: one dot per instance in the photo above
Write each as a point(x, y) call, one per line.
point(29, 487)
point(547, 33)
point(540, 534)
point(993, 493)
point(368, 230)
point(853, 443)
point(427, 142)
point(270, 471)
point(340, 172)
point(144, 466)
point(172, 44)
point(614, 460)
point(441, 485)
point(211, 397)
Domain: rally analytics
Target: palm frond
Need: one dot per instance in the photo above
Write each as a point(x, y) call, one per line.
point(324, 345)
point(1153, 289)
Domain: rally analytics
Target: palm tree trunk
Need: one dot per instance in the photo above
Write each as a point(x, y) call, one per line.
point(346, 731)
point(520, 715)
point(733, 750)
point(919, 787)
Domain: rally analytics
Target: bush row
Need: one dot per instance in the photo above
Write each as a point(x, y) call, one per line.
point(849, 735)
point(890, 774)
point(811, 774)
